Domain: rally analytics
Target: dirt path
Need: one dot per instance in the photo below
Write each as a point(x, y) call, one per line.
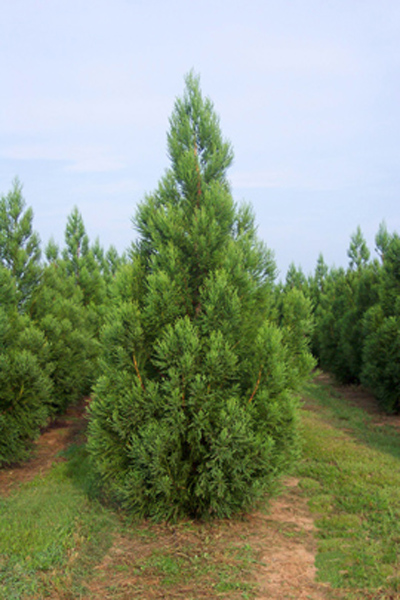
point(46, 449)
point(287, 546)
point(283, 538)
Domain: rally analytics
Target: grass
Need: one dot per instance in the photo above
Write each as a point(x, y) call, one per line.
point(57, 540)
point(50, 537)
point(53, 533)
point(352, 478)
point(191, 566)
point(345, 415)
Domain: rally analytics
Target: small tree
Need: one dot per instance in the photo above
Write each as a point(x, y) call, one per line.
point(19, 244)
point(342, 298)
point(76, 244)
point(358, 251)
point(194, 412)
point(82, 262)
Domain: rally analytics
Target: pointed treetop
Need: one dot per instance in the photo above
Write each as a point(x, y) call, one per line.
point(195, 138)
point(358, 252)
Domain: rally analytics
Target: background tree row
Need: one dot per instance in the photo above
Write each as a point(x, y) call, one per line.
point(357, 316)
point(51, 313)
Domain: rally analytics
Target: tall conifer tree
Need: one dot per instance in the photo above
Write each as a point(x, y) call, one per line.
point(194, 412)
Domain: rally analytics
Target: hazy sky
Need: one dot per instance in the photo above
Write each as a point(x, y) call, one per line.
point(308, 93)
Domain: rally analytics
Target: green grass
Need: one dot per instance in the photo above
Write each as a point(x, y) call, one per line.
point(53, 532)
point(356, 421)
point(50, 536)
point(352, 478)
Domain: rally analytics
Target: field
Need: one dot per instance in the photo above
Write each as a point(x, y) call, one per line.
point(332, 531)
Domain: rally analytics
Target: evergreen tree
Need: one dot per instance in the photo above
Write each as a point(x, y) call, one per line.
point(19, 244)
point(85, 265)
point(334, 304)
point(194, 413)
point(382, 240)
point(82, 261)
point(381, 328)
point(51, 251)
point(295, 278)
point(108, 262)
point(76, 244)
point(57, 308)
point(358, 251)
point(316, 284)
point(113, 262)
point(25, 386)
point(297, 325)
point(342, 298)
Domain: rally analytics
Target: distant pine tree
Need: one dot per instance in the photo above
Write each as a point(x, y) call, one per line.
point(19, 245)
point(57, 308)
point(381, 328)
point(341, 299)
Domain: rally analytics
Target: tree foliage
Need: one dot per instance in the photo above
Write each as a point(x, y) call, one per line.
point(194, 413)
point(19, 244)
point(58, 310)
point(357, 313)
point(381, 353)
point(25, 386)
point(50, 317)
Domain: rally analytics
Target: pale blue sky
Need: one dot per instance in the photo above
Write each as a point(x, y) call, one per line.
point(308, 92)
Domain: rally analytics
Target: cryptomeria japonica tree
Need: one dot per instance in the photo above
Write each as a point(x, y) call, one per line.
point(194, 413)
point(19, 243)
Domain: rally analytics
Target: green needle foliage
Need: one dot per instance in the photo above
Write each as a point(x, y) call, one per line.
point(25, 386)
point(58, 311)
point(81, 262)
point(68, 306)
point(357, 316)
point(19, 244)
point(381, 352)
point(341, 299)
point(194, 413)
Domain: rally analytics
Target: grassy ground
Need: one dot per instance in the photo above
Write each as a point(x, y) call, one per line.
point(57, 541)
point(351, 473)
point(54, 534)
point(50, 535)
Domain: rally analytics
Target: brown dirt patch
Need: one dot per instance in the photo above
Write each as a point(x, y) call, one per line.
point(287, 546)
point(55, 438)
point(282, 536)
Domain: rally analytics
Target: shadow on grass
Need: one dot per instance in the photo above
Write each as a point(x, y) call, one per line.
point(79, 470)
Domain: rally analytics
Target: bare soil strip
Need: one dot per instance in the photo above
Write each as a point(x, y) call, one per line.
point(287, 547)
point(282, 537)
point(46, 449)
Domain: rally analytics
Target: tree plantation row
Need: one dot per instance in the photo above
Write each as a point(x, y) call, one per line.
point(51, 312)
point(357, 316)
point(192, 354)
